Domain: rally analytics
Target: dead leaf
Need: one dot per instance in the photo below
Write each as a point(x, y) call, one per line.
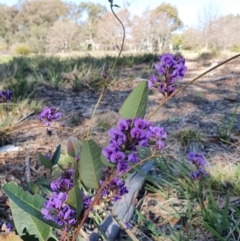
point(9, 237)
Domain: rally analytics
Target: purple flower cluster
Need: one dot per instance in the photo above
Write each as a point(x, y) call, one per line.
point(124, 140)
point(64, 183)
point(55, 208)
point(115, 189)
point(5, 95)
point(199, 162)
point(170, 68)
point(48, 114)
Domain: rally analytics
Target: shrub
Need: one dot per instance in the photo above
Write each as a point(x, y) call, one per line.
point(22, 50)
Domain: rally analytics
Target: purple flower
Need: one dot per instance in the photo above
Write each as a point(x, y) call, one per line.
point(117, 157)
point(124, 140)
point(48, 156)
point(108, 151)
point(115, 189)
point(128, 225)
point(117, 137)
point(87, 200)
point(152, 81)
point(132, 157)
point(5, 95)
point(64, 182)
point(196, 159)
point(122, 167)
point(123, 125)
point(161, 70)
point(137, 133)
point(158, 132)
point(166, 59)
point(199, 162)
point(197, 175)
point(160, 145)
point(48, 114)
point(9, 226)
point(139, 123)
point(57, 210)
point(170, 68)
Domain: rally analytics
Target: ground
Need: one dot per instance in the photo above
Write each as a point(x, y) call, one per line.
point(199, 108)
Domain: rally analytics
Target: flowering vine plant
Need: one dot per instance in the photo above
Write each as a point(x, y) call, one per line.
point(64, 200)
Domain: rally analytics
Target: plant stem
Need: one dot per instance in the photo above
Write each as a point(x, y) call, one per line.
point(191, 82)
point(105, 87)
point(123, 38)
point(95, 200)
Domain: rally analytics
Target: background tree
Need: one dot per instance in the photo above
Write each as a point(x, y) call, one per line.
point(93, 11)
point(8, 23)
point(158, 25)
point(109, 32)
point(62, 36)
point(36, 17)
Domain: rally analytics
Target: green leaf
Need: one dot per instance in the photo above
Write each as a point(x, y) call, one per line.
point(136, 103)
point(76, 177)
point(105, 162)
point(45, 161)
point(30, 204)
point(90, 164)
point(33, 187)
point(213, 231)
point(56, 155)
point(45, 186)
point(73, 147)
point(75, 199)
point(33, 225)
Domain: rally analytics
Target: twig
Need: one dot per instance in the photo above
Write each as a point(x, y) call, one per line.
point(27, 170)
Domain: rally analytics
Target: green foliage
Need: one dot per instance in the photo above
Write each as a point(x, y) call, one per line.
point(73, 147)
point(176, 41)
point(136, 103)
point(147, 224)
point(26, 212)
point(11, 115)
point(22, 50)
point(224, 129)
point(103, 125)
point(75, 199)
point(236, 48)
point(55, 79)
point(56, 155)
point(171, 12)
point(90, 165)
point(45, 161)
point(188, 135)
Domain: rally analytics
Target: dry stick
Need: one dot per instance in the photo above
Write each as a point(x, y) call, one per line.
point(191, 82)
point(36, 127)
point(123, 225)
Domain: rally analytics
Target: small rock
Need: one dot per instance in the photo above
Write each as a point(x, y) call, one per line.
point(9, 148)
